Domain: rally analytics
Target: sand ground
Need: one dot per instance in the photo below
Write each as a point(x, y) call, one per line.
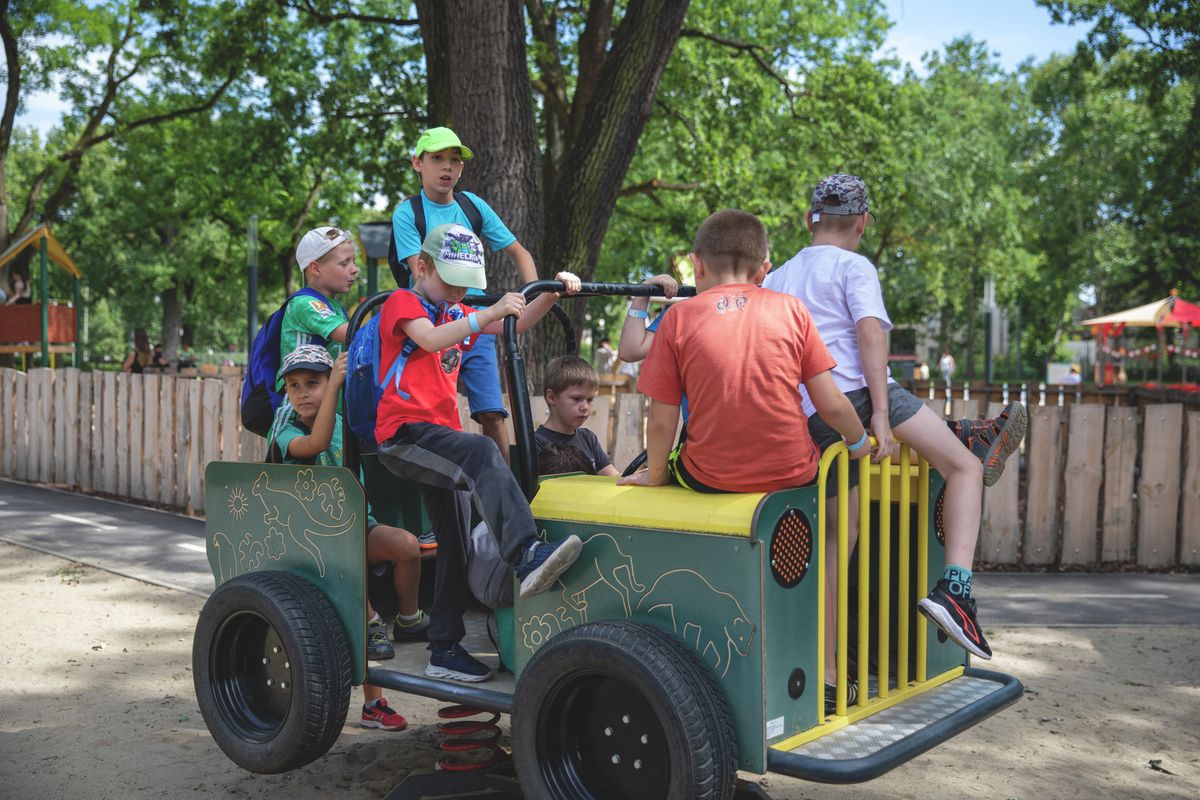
point(96, 702)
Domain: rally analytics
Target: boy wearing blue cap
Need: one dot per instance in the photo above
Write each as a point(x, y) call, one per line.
point(439, 158)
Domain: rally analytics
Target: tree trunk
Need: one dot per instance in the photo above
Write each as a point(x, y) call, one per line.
point(171, 324)
point(433, 19)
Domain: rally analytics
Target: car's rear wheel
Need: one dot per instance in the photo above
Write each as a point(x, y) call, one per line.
point(272, 671)
point(620, 709)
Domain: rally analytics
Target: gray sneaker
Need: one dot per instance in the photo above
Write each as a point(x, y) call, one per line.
point(417, 631)
point(378, 646)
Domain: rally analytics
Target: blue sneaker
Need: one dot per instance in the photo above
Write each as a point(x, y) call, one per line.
point(378, 646)
point(456, 664)
point(544, 562)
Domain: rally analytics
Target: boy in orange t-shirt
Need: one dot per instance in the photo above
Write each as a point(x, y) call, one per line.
point(739, 353)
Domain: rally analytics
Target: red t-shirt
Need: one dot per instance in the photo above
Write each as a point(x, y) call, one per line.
point(739, 353)
point(428, 390)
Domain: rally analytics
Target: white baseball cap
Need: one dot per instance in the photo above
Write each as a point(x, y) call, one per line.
point(457, 254)
point(318, 242)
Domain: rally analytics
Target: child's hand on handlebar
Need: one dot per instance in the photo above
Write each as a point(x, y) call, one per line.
point(511, 303)
point(669, 285)
point(570, 281)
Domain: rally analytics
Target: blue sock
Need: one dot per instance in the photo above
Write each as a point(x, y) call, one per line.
point(959, 579)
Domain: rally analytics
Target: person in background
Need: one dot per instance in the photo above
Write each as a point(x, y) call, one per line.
point(142, 355)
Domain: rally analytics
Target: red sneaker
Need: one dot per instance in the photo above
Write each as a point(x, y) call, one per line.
point(380, 715)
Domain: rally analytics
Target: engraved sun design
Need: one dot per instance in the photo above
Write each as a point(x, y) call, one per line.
point(238, 504)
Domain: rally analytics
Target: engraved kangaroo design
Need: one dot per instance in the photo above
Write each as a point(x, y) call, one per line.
point(733, 629)
point(290, 513)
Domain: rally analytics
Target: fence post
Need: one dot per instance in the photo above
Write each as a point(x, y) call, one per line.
point(1041, 507)
point(1120, 459)
point(1189, 533)
point(1158, 487)
point(1000, 525)
point(1081, 486)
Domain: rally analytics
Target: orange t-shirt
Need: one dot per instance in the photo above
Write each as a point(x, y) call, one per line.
point(740, 353)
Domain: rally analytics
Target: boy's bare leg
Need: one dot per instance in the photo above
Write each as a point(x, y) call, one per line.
point(494, 428)
point(388, 543)
point(963, 473)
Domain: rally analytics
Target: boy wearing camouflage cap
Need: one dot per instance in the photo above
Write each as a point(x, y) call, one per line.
point(842, 292)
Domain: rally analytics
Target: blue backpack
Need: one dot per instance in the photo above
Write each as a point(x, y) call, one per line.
point(365, 380)
point(259, 398)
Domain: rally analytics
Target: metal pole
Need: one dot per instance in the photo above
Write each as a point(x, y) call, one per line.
point(372, 277)
point(78, 324)
point(44, 299)
point(987, 347)
point(251, 280)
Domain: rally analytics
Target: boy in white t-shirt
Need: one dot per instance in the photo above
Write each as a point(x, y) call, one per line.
point(842, 292)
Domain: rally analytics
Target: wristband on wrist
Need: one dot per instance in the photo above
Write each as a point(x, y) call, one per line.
point(473, 319)
point(862, 440)
point(637, 313)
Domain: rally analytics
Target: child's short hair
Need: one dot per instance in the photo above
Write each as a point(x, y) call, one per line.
point(560, 457)
point(836, 223)
point(732, 240)
point(566, 371)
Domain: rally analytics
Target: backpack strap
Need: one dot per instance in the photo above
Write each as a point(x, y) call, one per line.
point(407, 348)
point(400, 271)
point(471, 210)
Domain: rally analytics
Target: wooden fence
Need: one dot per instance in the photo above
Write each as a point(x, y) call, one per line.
point(1097, 483)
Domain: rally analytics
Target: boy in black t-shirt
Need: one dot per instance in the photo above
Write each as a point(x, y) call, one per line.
point(571, 386)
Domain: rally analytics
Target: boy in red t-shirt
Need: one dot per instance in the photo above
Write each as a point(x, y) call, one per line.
point(423, 333)
point(739, 353)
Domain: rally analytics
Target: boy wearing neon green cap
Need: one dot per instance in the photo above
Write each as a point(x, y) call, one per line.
point(439, 158)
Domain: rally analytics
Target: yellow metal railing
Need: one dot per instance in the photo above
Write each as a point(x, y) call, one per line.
point(876, 484)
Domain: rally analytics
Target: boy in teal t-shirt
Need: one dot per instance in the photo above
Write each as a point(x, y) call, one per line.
point(311, 433)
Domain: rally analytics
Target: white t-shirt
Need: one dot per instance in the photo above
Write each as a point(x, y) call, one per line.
point(839, 288)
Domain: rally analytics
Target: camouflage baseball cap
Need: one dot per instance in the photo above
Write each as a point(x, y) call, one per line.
point(841, 195)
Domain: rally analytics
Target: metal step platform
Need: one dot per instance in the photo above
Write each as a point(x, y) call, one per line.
point(871, 746)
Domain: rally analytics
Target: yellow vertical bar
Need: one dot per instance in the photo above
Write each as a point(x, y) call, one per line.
point(819, 554)
point(843, 564)
point(864, 578)
point(922, 556)
point(903, 594)
point(885, 571)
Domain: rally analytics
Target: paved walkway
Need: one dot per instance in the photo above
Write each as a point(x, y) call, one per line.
point(168, 550)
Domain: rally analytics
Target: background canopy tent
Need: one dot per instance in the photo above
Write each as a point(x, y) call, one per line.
point(1170, 312)
point(51, 324)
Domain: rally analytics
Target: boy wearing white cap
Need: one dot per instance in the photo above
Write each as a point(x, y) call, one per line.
point(423, 333)
point(326, 259)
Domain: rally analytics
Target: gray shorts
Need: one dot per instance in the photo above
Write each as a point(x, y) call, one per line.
point(902, 405)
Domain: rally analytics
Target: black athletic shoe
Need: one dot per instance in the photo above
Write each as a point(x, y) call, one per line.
point(956, 616)
point(417, 631)
point(831, 696)
point(993, 440)
point(544, 562)
point(456, 664)
point(378, 646)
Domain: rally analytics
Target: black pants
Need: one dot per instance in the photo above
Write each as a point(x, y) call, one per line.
point(455, 469)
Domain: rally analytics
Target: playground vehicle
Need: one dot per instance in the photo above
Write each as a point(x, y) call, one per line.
point(684, 645)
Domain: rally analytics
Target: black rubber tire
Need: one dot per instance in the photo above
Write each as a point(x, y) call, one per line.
point(633, 466)
point(599, 688)
point(295, 719)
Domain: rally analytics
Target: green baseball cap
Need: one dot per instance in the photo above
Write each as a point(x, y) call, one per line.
point(458, 255)
point(436, 139)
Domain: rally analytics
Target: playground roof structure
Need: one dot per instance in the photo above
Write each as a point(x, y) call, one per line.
point(54, 249)
point(1170, 312)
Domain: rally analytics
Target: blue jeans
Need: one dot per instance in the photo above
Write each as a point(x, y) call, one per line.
point(480, 375)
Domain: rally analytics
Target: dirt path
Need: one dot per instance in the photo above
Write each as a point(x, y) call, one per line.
point(96, 702)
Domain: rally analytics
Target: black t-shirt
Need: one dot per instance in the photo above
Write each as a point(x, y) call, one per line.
point(582, 440)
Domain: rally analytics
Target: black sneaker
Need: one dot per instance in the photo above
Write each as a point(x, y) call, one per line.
point(993, 440)
point(831, 696)
point(417, 631)
point(544, 562)
point(956, 617)
point(456, 664)
point(378, 646)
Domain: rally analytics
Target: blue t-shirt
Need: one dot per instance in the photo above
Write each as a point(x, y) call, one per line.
point(404, 227)
point(653, 328)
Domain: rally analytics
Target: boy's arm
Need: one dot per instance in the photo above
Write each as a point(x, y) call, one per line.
point(338, 334)
point(610, 471)
point(526, 269)
point(661, 424)
point(321, 435)
point(837, 411)
point(529, 315)
point(872, 348)
point(634, 344)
